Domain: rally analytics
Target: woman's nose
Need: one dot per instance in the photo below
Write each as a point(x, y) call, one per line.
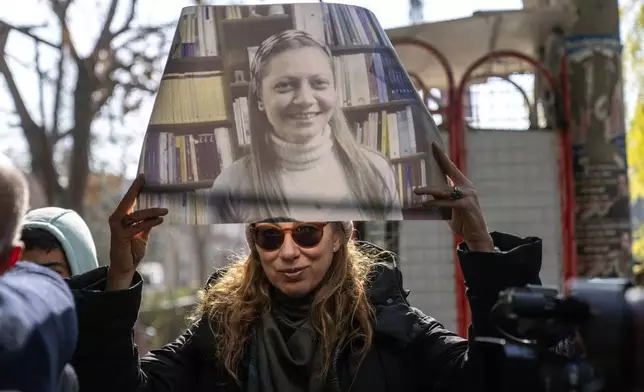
point(305, 95)
point(289, 249)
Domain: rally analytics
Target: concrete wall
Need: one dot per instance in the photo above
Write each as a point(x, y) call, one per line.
point(516, 174)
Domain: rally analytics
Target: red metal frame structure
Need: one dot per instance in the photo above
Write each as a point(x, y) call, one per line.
point(451, 114)
point(569, 267)
point(565, 149)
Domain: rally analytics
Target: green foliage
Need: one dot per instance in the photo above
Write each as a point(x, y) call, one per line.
point(633, 14)
point(636, 151)
point(634, 42)
point(638, 244)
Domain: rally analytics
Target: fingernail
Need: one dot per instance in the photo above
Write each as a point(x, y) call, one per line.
point(164, 211)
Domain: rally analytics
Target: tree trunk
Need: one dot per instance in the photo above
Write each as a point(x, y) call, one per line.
point(42, 162)
point(79, 163)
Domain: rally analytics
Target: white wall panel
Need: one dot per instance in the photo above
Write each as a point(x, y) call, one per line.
point(516, 174)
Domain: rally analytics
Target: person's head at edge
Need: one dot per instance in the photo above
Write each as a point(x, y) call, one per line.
point(299, 259)
point(293, 93)
point(14, 201)
point(59, 239)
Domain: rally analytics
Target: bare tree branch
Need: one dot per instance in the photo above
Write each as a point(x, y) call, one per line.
point(60, 7)
point(19, 103)
point(128, 21)
point(105, 37)
point(42, 163)
point(58, 90)
point(26, 30)
point(108, 76)
point(27, 65)
point(125, 68)
point(41, 84)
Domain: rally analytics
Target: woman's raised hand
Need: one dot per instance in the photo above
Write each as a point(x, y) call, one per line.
point(130, 231)
point(467, 220)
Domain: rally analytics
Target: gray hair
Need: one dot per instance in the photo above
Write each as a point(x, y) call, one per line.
point(14, 201)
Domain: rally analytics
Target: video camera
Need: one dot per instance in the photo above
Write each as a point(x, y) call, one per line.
point(589, 340)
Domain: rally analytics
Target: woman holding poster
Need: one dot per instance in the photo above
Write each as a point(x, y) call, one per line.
point(299, 139)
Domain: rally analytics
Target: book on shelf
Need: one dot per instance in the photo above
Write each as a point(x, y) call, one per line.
point(242, 121)
point(309, 18)
point(391, 133)
point(188, 208)
point(366, 78)
point(187, 98)
point(233, 12)
point(191, 158)
point(197, 33)
point(339, 24)
point(410, 174)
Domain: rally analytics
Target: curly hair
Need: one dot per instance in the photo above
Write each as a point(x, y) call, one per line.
point(340, 312)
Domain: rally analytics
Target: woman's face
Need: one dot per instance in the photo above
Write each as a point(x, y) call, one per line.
point(293, 269)
point(298, 93)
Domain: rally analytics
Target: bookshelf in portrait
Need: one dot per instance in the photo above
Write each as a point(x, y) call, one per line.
point(188, 139)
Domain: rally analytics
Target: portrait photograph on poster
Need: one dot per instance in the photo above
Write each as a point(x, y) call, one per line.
point(295, 110)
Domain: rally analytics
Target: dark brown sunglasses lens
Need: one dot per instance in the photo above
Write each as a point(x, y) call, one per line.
point(308, 235)
point(268, 238)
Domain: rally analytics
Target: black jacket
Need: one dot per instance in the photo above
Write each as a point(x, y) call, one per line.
point(411, 351)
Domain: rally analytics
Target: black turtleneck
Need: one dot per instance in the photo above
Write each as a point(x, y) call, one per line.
point(290, 313)
point(288, 355)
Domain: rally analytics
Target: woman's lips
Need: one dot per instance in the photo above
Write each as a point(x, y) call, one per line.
point(293, 273)
point(303, 116)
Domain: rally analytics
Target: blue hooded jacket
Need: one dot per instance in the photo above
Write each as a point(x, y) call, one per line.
point(38, 328)
point(71, 231)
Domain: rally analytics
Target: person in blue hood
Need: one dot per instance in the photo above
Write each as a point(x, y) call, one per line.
point(59, 239)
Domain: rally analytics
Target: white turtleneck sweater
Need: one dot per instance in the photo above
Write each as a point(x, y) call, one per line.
point(310, 171)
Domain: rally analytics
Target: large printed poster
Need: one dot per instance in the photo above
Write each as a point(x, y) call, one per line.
point(602, 200)
point(298, 110)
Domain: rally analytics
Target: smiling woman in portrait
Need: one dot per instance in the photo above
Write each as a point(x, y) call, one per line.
point(302, 146)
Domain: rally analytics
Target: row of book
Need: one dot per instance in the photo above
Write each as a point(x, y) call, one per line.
point(197, 30)
point(393, 134)
point(190, 98)
point(410, 175)
point(333, 24)
point(367, 78)
point(186, 208)
point(199, 157)
point(338, 24)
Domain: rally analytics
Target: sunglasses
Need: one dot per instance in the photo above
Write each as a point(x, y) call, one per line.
point(270, 237)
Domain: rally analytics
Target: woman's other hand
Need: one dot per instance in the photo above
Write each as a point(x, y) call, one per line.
point(130, 231)
point(467, 220)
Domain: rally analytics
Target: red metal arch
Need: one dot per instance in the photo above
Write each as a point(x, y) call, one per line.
point(451, 113)
point(423, 87)
point(565, 148)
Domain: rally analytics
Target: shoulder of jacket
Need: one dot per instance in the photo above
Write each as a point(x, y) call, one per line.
point(215, 276)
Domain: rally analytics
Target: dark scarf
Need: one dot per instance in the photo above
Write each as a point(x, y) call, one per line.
point(286, 355)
